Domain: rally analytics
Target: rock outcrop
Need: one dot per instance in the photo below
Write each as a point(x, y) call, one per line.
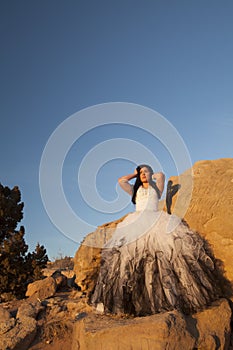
point(42, 289)
point(47, 287)
point(209, 329)
point(6, 321)
point(208, 190)
point(210, 210)
point(87, 258)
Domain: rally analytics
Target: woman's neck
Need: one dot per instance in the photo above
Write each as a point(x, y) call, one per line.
point(145, 185)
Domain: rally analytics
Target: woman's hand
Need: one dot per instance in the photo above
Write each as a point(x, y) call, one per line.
point(160, 179)
point(158, 176)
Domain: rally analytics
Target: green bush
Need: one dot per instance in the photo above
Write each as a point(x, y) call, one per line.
point(17, 266)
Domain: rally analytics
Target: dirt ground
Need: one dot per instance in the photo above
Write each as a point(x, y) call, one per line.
point(57, 344)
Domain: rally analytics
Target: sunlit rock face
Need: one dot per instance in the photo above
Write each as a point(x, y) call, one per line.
point(87, 258)
point(209, 329)
point(205, 201)
point(210, 210)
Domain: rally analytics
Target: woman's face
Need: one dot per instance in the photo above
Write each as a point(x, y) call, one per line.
point(145, 175)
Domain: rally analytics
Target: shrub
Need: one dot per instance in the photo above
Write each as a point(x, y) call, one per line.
point(17, 266)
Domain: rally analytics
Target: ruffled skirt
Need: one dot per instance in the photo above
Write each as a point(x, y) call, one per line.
point(153, 263)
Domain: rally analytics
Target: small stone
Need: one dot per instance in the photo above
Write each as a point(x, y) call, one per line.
point(80, 316)
point(100, 308)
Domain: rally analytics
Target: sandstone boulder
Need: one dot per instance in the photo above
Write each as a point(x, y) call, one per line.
point(28, 309)
point(20, 336)
point(4, 314)
point(42, 289)
point(213, 326)
point(75, 308)
point(60, 279)
point(211, 206)
point(169, 330)
point(6, 325)
point(153, 332)
point(6, 321)
point(87, 258)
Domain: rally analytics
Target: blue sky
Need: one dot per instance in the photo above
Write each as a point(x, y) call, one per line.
point(59, 57)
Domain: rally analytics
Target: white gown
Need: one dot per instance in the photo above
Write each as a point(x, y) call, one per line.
point(154, 262)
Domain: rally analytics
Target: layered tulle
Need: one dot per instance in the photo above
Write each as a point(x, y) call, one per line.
point(153, 263)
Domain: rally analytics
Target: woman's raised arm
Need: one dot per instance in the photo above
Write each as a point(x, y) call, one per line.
point(124, 182)
point(160, 179)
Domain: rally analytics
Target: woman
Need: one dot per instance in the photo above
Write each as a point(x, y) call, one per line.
point(154, 262)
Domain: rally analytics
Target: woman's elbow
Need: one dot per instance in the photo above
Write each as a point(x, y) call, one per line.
point(161, 176)
point(120, 179)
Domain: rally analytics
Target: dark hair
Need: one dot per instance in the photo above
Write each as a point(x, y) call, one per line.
point(138, 182)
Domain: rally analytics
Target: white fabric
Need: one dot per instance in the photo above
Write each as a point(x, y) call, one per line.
point(146, 217)
point(150, 268)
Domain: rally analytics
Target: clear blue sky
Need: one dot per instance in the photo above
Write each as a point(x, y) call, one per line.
point(59, 57)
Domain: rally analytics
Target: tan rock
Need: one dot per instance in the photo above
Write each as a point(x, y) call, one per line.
point(20, 336)
point(60, 279)
point(77, 306)
point(28, 309)
point(87, 258)
point(206, 330)
point(158, 332)
point(42, 289)
point(4, 314)
point(17, 334)
point(54, 311)
point(213, 326)
point(210, 210)
point(6, 325)
point(6, 321)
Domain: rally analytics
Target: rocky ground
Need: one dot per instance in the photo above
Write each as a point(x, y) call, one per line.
point(55, 324)
point(54, 319)
point(56, 316)
point(65, 321)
